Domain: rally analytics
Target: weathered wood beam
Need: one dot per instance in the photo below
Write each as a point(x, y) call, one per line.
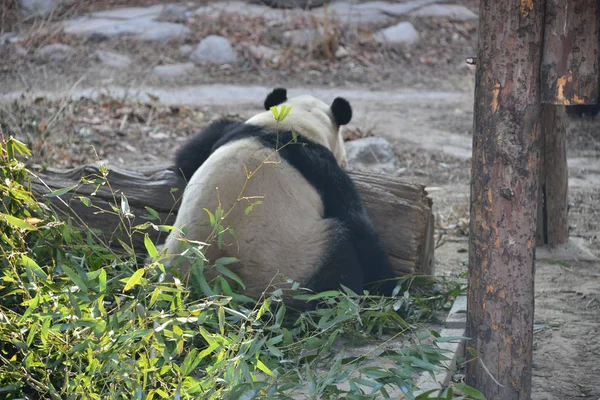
point(400, 210)
point(504, 193)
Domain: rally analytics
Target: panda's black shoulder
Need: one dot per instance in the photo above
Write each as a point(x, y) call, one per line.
point(199, 147)
point(222, 132)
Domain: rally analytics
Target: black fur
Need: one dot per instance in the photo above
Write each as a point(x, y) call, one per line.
point(194, 152)
point(357, 257)
point(275, 98)
point(341, 110)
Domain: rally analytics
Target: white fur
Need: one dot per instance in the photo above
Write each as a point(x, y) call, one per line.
point(312, 118)
point(285, 236)
point(271, 240)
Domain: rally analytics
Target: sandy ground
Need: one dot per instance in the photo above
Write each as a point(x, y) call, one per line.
point(424, 109)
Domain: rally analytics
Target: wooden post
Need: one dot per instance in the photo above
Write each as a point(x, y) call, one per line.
point(504, 194)
point(569, 77)
point(552, 223)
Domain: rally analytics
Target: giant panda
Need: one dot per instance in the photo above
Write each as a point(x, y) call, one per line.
point(311, 227)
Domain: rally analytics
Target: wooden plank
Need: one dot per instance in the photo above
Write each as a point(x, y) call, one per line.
point(400, 210)
point(570, 71)
point(504, 192)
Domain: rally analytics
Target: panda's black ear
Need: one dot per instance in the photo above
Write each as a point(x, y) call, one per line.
point(341, 111)
point(276, 97)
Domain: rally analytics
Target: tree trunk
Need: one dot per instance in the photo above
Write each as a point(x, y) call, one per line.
point(570, 76)
point(570, 70)
point(504, 193)
point(552, 223)
point(400, 210)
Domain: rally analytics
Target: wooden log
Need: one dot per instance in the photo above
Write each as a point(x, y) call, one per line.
point(504, 191)
point(570, 71)
point(552, 221)
point(400, 210)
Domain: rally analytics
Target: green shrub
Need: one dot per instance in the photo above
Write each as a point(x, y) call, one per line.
point(80, 321)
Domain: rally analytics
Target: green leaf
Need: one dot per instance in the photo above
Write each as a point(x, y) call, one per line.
point(134, 279)
point(469, 391)
point(275, 112)
point(260, 365)
point(32, 267)
point(328, 293)
point(17, 222)
point(75, 278)
point(19, 146)
point(60, 192)
point(150, 248)
point(86, 202)
point(152, 212)
point(211, 217)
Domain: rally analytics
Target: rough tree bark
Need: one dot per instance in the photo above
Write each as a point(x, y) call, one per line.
point(400, 210)
point(569, 76)
point(504, 193)
point(553, 206)
point(570, 70)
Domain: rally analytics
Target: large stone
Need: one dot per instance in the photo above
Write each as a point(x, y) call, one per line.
point(213, 49)
point(130, 12)
point(144, 28)
point(374, 13)
point(264, 53)
point(55, 52)
point(37, 7)
point(371, 153)
point(452, 12)
point(173, 70)
point(402, 34)
point(165, 32)
point(111, 59)
point(185, 50)
point(301, 37)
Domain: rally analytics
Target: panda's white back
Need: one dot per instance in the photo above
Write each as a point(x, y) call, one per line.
point(289, 222)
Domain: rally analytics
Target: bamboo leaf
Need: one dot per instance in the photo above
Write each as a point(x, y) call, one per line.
point(134, 279)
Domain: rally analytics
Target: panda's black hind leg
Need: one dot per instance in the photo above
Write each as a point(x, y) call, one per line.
point(340, 267)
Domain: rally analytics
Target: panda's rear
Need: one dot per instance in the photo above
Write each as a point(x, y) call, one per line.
point(295, 212)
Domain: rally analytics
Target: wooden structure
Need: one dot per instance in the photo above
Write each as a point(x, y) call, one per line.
point(535, 58)
point(400, 210)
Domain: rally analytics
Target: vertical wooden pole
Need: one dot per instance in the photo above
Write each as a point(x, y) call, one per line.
point(570, 76)
point(504, 194)
point(552, 223)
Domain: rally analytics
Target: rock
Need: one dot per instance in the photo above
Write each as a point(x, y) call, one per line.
point(213, 49)
point(173, 70)
point(55, 52)
point(401, 34)
point(303, 4)
point(37, 7)
point(371, 153)
point(21, 51)
point(145, 28)
point(123, 13)
point(215, 8)
point(365, 14)
point(164, 32)
point(174, 13)
point(301, 37)
point(264, 53)
point(185, 50)
point(341, 52)
point(111, 59)
point(452, 12)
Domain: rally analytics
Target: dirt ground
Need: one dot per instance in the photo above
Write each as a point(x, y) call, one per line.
point(421, 101)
